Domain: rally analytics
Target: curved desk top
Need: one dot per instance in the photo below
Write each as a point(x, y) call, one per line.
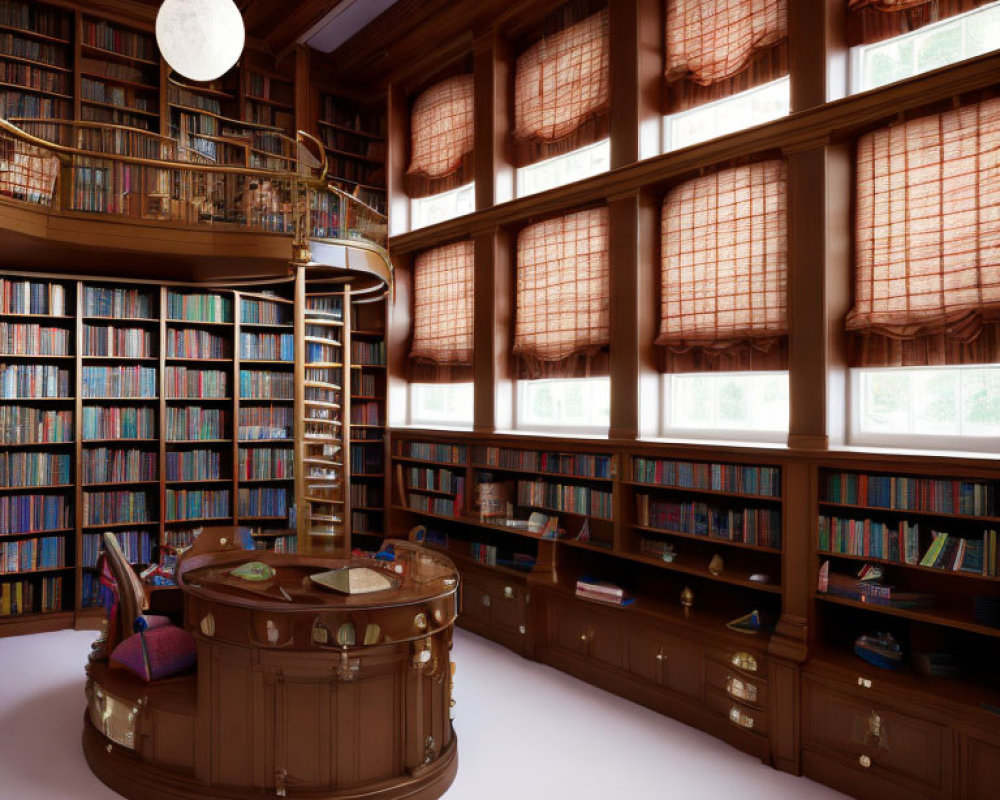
point(289, 610)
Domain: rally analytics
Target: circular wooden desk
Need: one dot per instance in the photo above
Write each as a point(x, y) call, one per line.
point(299, 691)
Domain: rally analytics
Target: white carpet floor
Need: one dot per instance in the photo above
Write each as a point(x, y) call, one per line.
point(525, 731)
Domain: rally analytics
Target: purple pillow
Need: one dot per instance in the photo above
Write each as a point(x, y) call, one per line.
point(171, 650)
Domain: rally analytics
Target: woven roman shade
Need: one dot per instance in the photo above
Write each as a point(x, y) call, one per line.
point(562, 319)
point(562, 91)
point(716, 48)
point(724, 271)
point(442, 138)
point(443, 309)
point(927, 241)
point(872, 21)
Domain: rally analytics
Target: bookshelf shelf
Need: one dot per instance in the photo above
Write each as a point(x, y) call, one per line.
point(707, 539)
point(958, 574)
point(35, 34)
point(132, 524)
point(566, 475)
point(104, 78)
point(714, 492)
point(354, 131)
point(123, 108)
point(946, 616)
point(111, 55)
point(40, 488)
point(32, 62)
point(31, 90)
point(701, 572)
point(911, 512)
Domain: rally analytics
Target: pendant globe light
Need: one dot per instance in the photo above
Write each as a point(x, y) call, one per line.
point(200, 39)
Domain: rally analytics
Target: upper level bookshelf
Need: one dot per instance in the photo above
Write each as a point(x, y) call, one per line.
point(368, 418)
point(36, 60)
point(354, 138)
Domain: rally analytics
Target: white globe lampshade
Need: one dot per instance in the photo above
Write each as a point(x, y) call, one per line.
point(200, 39)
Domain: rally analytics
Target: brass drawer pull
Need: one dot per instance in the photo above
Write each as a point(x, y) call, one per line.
point(865, 762)
point(740, 689)
point(508, 592)
point(740, 717)
point(865, 682)
point(744, 661)
point(486, 600)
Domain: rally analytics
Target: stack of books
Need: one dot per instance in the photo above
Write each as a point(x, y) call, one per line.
point(602, 592)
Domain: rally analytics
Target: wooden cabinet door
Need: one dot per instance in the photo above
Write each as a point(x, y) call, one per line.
point(568, 627)
point(606, 641)
point(671, 663)
point(979, 770)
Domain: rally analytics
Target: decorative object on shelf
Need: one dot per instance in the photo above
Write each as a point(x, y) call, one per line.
point(668, 553)
point(584, 534)
point(880, 650)
point(870, 572)
point(491, 498)
point(823, 584)
point(254, 571)
point(936, 665)
point(749, 623)
point(354, 580)
point(200, 39)
point(759, 577)
point(716, 565)
point(687, 597)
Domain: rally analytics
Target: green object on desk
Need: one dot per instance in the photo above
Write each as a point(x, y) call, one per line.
point(254, 571)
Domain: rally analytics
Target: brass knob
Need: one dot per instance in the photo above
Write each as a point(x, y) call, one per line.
point(486, 600)
point(508, 592)
point(865, 682)
point(865, 761)
point(660, 657)
point(583, 637)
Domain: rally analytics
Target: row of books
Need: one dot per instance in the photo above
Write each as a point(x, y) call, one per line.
point(196, 423)
point(264, 312)
point(110, 301)
point(106, 508)
point(120, 381)
point(441, 480)
point(34, 512)
point(435, 504)
point(266, 422)
point(267, 115)
point(493, 556)
point(188, 343)
point(181, 504)
point(263, 502)
point(21, 104)
point(123, 96)
point(118, 422)
point(287, 544)
point(562, 497)
point(32, 17)
point(35, 469)
point(33, 50)
point(199, 307)
point(265, 463)
point(602, 591)
point(100, 34)
point(347, 142)
point(182, 97)
point(137, 546)
point(960, 554)
point(325, 306)
point(735, 478)
point(121, 342)
point(95, 200)
point(760, 527)
point(29, 425)
point(319, 353)
point(18, 338)
point(366, 413)
point(366, 494)
point(33, 381)
point(118, 465)
point(913, 494)
point(133, 73)
point(184, 382)
point(267, 346)
point(262, 86)
point(26, 555)
point(266, 385)
point(365, 460)
point(193, 465)
point(356, 171)
point(180, 537)
point(363, 384)
point(372, 353)
point(361, 522)
point(871, 539)
point(32, 77)
point(346, 114)
point(582, 464)
point(30, 597)
point(447, 453)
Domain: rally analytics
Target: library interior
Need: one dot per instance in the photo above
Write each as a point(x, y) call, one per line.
point(656, 342)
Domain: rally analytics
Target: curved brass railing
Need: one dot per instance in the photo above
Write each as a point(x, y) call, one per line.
point(122, 172)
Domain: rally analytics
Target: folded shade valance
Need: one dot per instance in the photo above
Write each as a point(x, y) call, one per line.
point(443, 282)
point(724, 251)
point(871, 21)
point(442, 138)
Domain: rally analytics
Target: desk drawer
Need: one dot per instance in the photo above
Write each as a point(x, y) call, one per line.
point(743, 688)
point(740, 715)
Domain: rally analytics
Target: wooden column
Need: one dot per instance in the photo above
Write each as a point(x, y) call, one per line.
point(305, 98)
point(493, 65)
point(636, 31)
point(494, 319)
point(817, 55)
point(397, 149)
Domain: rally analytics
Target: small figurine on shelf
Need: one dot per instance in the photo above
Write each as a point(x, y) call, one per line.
point(716, 565)
point(584, 534)
point(880, 649)
point(687, 597)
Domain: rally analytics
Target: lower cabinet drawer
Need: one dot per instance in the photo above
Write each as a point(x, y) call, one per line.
point(740, 687)
point(741, 715)
point(980, 769)
point(873, 738)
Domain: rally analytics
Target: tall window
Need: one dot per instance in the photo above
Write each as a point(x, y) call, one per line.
point(723, 322)
point(562, 103)
point(441, 355)
point(562, 322)
point(727, 67)
point(927, 278)
point(442, 139)
point(896, 39)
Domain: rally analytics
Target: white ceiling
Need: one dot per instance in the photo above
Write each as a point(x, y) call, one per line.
point(344, 20)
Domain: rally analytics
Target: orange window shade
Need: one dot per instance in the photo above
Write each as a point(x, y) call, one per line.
point(562, 301)
point(724, 249)
point(872, 21)
point(927, 238)
point(443, 306)
point(712, 40)
point(562, 90)
point(442, 137)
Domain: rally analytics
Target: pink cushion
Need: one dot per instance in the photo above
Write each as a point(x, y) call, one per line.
point(171, 650)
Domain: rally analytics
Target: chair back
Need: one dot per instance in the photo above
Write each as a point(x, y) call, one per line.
point(131, 597)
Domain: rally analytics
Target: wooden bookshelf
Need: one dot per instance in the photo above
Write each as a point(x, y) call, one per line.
point(354, 138)
point(36, 61)
point(368, 417)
